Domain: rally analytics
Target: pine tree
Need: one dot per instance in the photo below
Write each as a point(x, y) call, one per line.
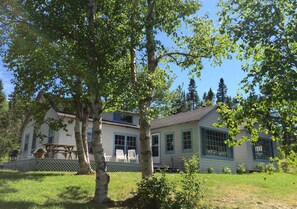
point(180, 104)
point(208, 97)
point(222, 92)
point(192, 96)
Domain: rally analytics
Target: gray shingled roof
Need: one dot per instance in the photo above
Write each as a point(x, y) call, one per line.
point(184, 117)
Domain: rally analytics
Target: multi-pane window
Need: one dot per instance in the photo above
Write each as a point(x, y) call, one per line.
point(50, 136)
point(89, 138)
point(119, 142)
point(124, 142)
point(122, 117)
point(263, 149)
point(187, 140)
point(213, 144)
point(131, 142)
point(26, 145)
point(169, 140)
point(155, 145)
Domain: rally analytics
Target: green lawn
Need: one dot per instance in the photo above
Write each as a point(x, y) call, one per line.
point(67, 190)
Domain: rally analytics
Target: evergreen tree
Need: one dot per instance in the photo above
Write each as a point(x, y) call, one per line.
point(208, 97)
point(222, 92)
point(180, 104)
point(192, 96)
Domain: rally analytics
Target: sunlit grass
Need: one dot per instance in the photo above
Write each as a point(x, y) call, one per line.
point(67, 190)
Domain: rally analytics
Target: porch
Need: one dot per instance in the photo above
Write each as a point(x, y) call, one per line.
point(51, 164)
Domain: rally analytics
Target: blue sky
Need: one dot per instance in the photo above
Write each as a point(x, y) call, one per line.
point(230, 70)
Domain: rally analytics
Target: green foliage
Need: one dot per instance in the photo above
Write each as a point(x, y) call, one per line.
point(157, 192)
point(222, 92)
point(208, 97)
point(153, 192)
point(191, 192)
point(192, 96)
point(240, 168)
point(284, 166)
point(260, 167)
point(226, 170)
point(209, 170)
point(264, 34)
point(270, 168)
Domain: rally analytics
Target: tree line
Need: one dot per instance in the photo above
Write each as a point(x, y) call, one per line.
point(190, 100)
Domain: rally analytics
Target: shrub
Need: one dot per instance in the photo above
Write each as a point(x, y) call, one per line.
point(285, 166)
point(156, 192)
point(191, 187)
point(153, 192)
point(226, 170)
point(210, 170)
point(240, 169)
point(260, 167)
point(270, 169)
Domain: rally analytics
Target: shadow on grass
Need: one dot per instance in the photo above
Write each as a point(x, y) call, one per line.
point(64, 205)
point(72, 194)
point(18, 175)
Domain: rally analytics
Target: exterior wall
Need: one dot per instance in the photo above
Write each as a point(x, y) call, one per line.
point(29, 129)
point(175, 159)
point(244, 153)
point(214, 162)
point(68, 137)
point(44, 129)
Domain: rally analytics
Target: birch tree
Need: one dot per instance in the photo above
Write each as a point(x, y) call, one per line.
point(193, 38)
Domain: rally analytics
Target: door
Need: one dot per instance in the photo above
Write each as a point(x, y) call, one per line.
point(156, 148)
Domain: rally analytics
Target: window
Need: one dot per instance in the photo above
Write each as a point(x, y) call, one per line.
point(131, 142)
point(33, 147)
point(89, 138)
point(122, 117)
point(124, 142)
point(263, 149)
point(50, 136)
point(169, 140)
point(187, 140)
point(213, 144)
point(26, 145)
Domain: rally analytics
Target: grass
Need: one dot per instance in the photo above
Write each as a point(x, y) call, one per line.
point(66, 190)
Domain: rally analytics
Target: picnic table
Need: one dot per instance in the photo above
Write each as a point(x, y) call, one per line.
point(64, 149)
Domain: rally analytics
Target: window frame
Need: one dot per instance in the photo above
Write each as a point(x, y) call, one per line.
point(126, 146)
point(166, 143)
point(270, 147)
point(34, 142)
point(26, 142)
point(120, 117)
point(51, 135)
point(229, 150)
point(183, 141)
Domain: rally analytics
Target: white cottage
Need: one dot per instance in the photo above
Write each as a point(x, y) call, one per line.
point(184, 134)
point(173, 138)
point(121, 131)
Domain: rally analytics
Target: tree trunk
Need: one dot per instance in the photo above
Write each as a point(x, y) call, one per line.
point(84, 162)
point(145, 104)
point(84, 130)
point(146, 159)
point(102, 178)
